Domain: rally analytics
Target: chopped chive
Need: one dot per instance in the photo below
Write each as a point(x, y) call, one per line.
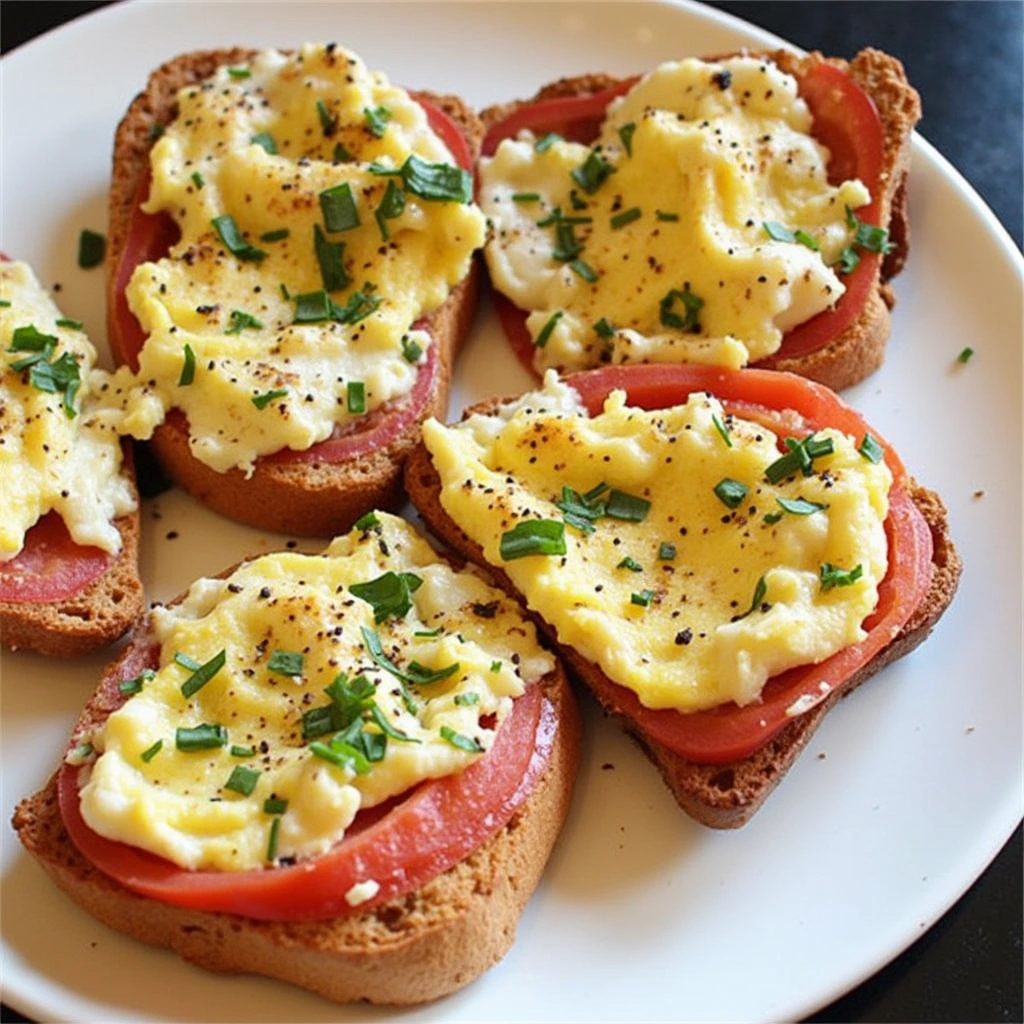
point(625, 506)
point(723, 431)
point(771, 518)
point(341, 154)
point(626, 133)
point(871, 449)
point(77, 325)
point(131, 686)
point(547, 330)
point(275, 236)
point(359, 306)
point(356, 396)
point(367, 522)
point(730, 492)
point(760, 592)
point(603, 329)
point(150, 752)
point(242, 780)
point(847, 261)
point(263, 400)
point(239, 72)
point(312, 307)
point(467, 699)
point(341, 755)
point(390, 595)
point(285, 663)
point(377, 120)
point(230, 235)
point(274, 805)
point(240, 320)
point(376, 651)
point(265, 141)
point(800, 457)
point(203, 674)
point(584, 270)
point(331, 258)
point(801, 506)
point(433, 182)
point(832, 576)
point(533, 537)
point(155, 131)
point(239, 751)
point(188, 367)
point(525, 197)
point(545, 142)
point(275, 828)
point(201, 737)
point(456, 739)
point(5, 303)
point(593, 172)
point(198, 180)
point(411, 350)
point(665, 215)
point(777, 232)
point(620, 220)
point(495, 666)
point(963, 357)
point(338, 206)
point(328, 123)
point(285, 294)
point(692, 305)
point(392, 205)
point(185, 661)
point(666, 551)
point(427, 634)
point(642, 598)
point(868, 236)
point(806, 240)
point(630, 563)
point(92, 247)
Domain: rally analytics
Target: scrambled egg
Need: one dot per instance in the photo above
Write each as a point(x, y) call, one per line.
point(55, 452)
point(302, 688)
point(321, 217)
point(686, 561)
point(700, 227)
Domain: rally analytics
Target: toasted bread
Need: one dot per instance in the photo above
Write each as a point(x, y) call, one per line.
point(860, 349)
point(717, 795)
point(413, 948)
point(317, 498)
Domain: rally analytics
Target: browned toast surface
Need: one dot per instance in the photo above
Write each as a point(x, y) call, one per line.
point(309, 498)
point(860, 349)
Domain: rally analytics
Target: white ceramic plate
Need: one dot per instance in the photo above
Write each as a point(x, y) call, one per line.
point(906, 792)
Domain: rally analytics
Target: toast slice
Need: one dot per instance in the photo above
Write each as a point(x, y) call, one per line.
point(717, 795)
point(312, 498)
point(410, 949)
point(860, 349)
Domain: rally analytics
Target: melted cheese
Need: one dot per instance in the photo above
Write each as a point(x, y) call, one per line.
point(50, 459)
point(238, 314)
point(675, 227)
point(704, 632)
point(176, 803)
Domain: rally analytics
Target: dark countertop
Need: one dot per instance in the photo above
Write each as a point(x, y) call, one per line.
point(968, 967)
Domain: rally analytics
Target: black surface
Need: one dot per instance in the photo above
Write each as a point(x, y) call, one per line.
point(965, 58)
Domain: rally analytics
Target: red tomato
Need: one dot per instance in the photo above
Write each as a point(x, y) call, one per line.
point(789, 404)
point(150, 236)
point(51, 566)
point(401, 846)
point(845, 120)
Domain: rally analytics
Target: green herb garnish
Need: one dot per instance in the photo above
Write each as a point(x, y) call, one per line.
point(593, 172)
point(150, 752)
point(392, 205)
point(331, 258)
point(240, 320)
point(92, 247)
point(692, 305)
point(545, 142)
point(620, 220)
point(263, 400)
point(377, 120)
point(533, 537)
point(630, 563)
point(265, 141)
point(285, 663)
point(642, 598)
point(242, 780)
point(229, 234)
point(546, 331)
point(201, 737)
point(730, 492)
point(626, 133)
point(832, 576)
point(801, 506)
point(760, 592)
point(390, 595)
point(456, 739)
point(355, 396)
point(203, 674)
point(338, 206)
point(666, 551)
point(871, 449)
point(799, 457)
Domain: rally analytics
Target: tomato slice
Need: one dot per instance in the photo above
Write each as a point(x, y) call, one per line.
point(401, 846)
point(50, 566)
point(845, 120)
point(150, 236)
point(729, 732)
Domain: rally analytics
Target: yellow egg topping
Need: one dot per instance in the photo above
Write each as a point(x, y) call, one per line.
point(56, 453)
point(301, 688)
point(699, 227)
point(676, 549)
point(321, 218)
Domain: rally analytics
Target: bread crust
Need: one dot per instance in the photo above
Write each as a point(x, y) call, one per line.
point(411, 949)
point(305, 498)
point(717, 795)
point(860, 349)
point(93, 617)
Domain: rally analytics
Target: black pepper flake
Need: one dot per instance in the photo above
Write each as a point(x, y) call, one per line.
point(684, 636)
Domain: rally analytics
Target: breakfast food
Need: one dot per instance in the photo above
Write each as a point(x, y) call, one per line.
point(345, 771)
point(291, 270)
point(742, 210)
point(719, 554)
point(69, 527)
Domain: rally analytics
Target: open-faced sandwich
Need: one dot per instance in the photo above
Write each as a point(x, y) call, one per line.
point(721, 555)
point(346, 771)
point(69, 525)
point(291, 270)
point(747, 209)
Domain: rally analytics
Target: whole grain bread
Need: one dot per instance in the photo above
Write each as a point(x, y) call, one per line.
point(94, 616)
point(860, 349)
point(718, 795)
point(308, 498)
point(411, 949)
